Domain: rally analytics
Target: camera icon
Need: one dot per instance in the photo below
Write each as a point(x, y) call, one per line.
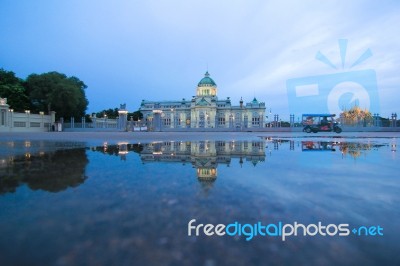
point(334, 93)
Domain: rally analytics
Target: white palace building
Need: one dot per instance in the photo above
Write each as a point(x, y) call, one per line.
point(203, 111)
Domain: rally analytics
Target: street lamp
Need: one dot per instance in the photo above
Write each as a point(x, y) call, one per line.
point(394, 118)
point(11, 117)
point(270, 115)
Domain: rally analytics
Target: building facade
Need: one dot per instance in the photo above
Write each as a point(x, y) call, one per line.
point(203, 111)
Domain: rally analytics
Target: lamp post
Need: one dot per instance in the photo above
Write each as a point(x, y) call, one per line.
point(27, 112)
point(394, 118)
point(292, 120)
point(11, 117)
point(270, 115)
point(131, 122)
point(41, 120)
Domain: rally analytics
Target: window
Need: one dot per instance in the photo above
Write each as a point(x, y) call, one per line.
point(35, 124)
point(221, 121)
point(19, 124)
point(255, 121)
point(167, 121)
point(237, 119)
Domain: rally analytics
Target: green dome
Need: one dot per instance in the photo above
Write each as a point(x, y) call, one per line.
point(206, 81)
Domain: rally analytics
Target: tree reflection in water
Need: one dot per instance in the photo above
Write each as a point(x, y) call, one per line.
point(53, 171)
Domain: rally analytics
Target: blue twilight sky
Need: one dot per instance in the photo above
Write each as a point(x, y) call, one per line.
point(126, 51)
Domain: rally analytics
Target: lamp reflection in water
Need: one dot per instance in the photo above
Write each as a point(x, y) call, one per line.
point(123, 150)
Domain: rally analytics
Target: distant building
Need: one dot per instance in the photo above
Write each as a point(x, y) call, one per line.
point(204, 110)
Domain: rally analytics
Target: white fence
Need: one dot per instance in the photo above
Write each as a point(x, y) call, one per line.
point(11, 121)
point(102, 124)
point(25, 122)
point(97, 123)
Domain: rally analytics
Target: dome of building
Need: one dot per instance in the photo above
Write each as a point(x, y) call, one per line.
point(207, 81)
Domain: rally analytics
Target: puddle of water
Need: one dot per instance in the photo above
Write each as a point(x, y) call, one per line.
point(65, 203)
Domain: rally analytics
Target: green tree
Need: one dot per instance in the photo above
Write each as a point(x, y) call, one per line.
point(12, 89)
point(135, 115)
point(54, 91)
point(110, 113)
point(113, 113)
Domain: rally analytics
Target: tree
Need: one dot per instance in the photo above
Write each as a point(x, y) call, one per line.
point(135, 115)
point(12, 89)
point(110, 113)
point(113, 113)
point(54, 91)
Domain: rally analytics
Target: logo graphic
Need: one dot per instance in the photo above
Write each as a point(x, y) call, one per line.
point(334, 93)
point(280, 230)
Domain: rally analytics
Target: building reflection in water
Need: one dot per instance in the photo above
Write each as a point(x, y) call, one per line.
point(204, 156)
point(51, 169)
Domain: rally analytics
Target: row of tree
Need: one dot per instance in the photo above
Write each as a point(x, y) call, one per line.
point(113, 113)
point(46, 92)
point(51, 91)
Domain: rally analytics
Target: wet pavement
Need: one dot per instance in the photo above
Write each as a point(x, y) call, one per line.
point(100, 201)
